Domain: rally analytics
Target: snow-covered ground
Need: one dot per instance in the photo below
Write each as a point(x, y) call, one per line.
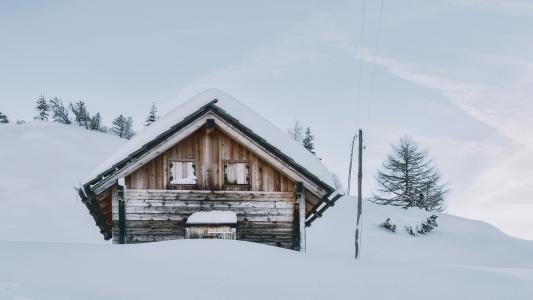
point(461, 259)
point(40, 165)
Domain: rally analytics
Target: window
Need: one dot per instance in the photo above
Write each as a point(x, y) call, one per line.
point(183, 172)
point(236, 173)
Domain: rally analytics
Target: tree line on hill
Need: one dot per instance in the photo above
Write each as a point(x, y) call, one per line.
point(407, 178)
point(77, 113)
point(306, 138)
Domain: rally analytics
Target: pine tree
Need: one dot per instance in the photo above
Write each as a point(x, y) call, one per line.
point(308, 141)
point(81, 114)
point(123, 127)
point(409, 179)
point(3, 118)
point(43, 109)
point(59, 111)
point(296, 131)
point(152, 115)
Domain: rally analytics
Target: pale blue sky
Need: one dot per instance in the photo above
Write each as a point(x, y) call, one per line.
point(456, 75)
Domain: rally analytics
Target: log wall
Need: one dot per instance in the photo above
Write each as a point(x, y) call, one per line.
point(157, 215)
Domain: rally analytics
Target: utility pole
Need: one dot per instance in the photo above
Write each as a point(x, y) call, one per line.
point(359, 197)
point(351, 163)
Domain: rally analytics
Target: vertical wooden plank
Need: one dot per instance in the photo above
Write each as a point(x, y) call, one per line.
point(151, 168)
point(165, 170)
point(212, 164)
point(201, 159)
point(277, 181)
point(283, 183)
point(254, 177)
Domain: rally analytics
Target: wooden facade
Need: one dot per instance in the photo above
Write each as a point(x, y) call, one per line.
point(209, 164)
point(156, 210)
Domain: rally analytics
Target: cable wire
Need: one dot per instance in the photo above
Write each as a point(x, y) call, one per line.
point(375, 58)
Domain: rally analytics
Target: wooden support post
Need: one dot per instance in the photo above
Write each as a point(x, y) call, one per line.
point(300, 201)
point(208, 176)
point(121, 212)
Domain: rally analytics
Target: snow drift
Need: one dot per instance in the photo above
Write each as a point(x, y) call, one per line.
point(40, 164)
point(461, 259)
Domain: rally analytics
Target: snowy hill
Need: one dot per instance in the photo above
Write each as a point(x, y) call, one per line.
point(461, 259)
point(456, 240)
point(41, 163)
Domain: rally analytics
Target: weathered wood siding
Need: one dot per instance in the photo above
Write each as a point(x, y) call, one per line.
point(210, 165)
point(156, 215)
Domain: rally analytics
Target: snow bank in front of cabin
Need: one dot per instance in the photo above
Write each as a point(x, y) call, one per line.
point(223, 269)
point(213, 217)
point(238, 110)
point(41, 163)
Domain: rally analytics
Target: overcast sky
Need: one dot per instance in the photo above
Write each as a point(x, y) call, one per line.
point(455, 75)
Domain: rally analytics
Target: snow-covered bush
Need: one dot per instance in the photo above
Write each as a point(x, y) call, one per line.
point(388, 225)
point(428, 225)
point(410, 230)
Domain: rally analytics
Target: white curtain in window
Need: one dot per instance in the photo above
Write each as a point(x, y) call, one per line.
point(237, 173)
point(182, 172)
point(241, 173)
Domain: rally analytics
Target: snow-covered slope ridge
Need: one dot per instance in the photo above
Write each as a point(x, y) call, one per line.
point(246, 116)
point(40, 163)
point(456, 241)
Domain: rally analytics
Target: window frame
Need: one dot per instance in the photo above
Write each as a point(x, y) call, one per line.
point(247, 176)
point(169, 172)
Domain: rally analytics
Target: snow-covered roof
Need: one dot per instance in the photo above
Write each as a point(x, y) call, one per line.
point(246, 116)
point(213, 217)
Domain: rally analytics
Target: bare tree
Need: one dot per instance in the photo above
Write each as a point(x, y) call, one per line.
point(123, 127)
point(96, 123)
point(409, 179)
point(81, 114)
point(59, 111)
point(296, 131)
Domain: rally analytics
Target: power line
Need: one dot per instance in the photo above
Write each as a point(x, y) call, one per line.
point(376, 52)
point(361, 55)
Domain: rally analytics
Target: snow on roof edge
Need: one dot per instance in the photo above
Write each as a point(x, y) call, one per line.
point(213, 217)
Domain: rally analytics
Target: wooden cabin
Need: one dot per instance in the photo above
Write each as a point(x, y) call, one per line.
point(210, 157)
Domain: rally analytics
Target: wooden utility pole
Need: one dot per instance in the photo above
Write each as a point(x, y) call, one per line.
point(359, 197)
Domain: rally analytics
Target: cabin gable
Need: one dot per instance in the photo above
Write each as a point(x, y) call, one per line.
point(211, 167)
